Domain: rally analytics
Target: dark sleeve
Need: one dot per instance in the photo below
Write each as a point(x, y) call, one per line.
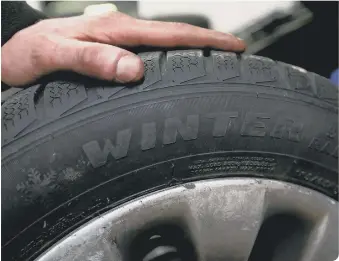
point(16, 15)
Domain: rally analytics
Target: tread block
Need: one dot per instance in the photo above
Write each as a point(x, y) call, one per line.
point(152, 68)
point(261, 70)
point(183, 66)
point(226, 65)
point(299, 80)
point(106, 92)
point(59, 97)
point(325, 90)
point(18, 112)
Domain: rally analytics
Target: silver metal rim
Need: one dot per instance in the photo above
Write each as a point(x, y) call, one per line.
point(222, 218)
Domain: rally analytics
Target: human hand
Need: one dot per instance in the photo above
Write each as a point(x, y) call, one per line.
point(89, 45)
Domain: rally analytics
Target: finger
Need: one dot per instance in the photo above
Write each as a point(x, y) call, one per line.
point(132, 32)
point(95, 59)
point(168, 34)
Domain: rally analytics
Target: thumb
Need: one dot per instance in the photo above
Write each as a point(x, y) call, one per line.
point(95, 59)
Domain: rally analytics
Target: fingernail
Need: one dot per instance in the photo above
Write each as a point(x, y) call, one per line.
point(242, 43)
point(128, 68)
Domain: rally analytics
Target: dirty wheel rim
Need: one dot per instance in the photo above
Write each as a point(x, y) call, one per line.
point(224, 219)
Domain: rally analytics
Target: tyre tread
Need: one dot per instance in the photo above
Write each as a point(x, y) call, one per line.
point(163, 69)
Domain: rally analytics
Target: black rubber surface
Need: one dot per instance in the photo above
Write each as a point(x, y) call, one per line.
point(73, 149)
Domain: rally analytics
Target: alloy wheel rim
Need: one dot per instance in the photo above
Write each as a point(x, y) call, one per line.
point(221, 219)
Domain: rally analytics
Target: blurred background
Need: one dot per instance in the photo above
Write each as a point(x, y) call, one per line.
point(299, 33)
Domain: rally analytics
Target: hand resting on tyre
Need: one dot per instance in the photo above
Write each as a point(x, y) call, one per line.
point(89, 45)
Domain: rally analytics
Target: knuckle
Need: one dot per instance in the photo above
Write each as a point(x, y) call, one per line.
point(109, 66)
point(109, 17)
point(88, 54)
point(102, 18)
point(94, 60)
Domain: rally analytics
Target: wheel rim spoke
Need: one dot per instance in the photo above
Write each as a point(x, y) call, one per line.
point(225, 223)
point(222, 219)
point(323, 241)
point(82, 245)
